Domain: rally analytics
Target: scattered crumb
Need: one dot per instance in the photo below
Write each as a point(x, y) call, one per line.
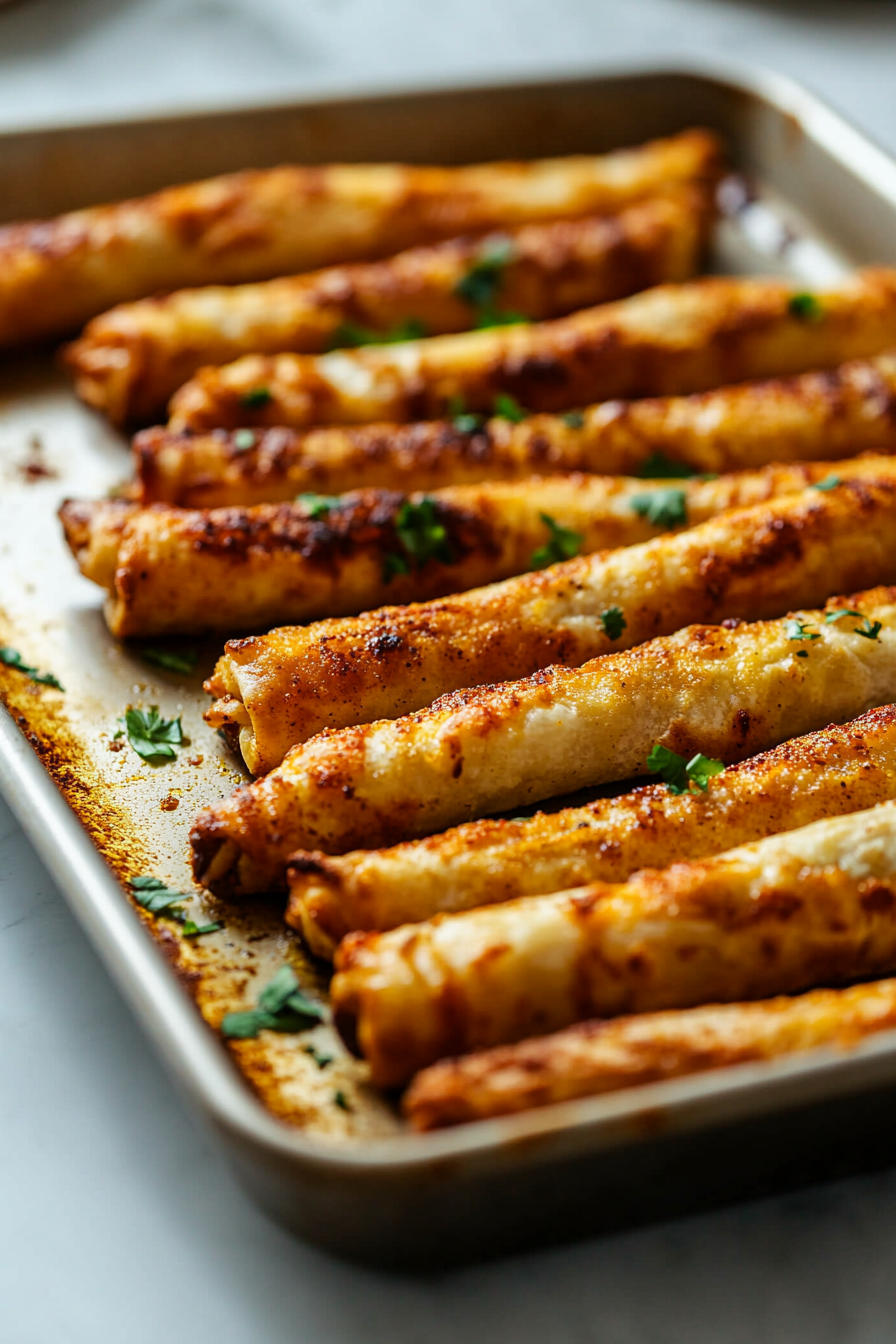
point(195, 760)
point(116, 746)
point(169, 803)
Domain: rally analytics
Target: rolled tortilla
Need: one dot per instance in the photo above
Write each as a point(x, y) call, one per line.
point(272, 691)
point(727, 693)
point(173, 571)
point(57, 273)
point(594, 1058)
point(834, 771)
point(813, 906)
point(665, 341)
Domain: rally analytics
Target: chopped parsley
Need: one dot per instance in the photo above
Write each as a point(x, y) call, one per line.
point(868, 629)
point(836, 615)
point(394, 565)
point(171, 660)
point(574, 419)
point(829, 483)
point(282, 1006)
point(255, 398)
point(508, 408)
point(12, 658)
point(562, 544)
point(806, 307)
point(612, 622)
point(482, 283)
point(152, 737)
point(320, 1058)
point(663, 508)
point(464, 421)
point(158, 899)
point(243, 440)
point(318, 506)
point(659, 467)
point(352, 335)
point(491, 317)
point(680, 775)
point(795, 629)
point(341, 1100)
point(422, 536)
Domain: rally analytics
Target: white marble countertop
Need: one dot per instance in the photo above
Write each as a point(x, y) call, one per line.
point(119, 1224)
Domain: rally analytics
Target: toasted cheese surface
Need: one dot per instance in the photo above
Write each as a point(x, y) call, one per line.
point(817, 905)
point(667, 340)
point(745, 426)
point(57, 273)
point(725, 692)
point(598, 1057)
point(834, 771)
point(750, 563)
point(171, 571)
point(129, 361)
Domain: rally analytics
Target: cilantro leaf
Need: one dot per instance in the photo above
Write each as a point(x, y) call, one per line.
point(352, 335)
point(154, 895)
point(795, 629)
point(663, 508)
point(12, 658)
point(153, 737)
point(562, 544)
point(508, 408)
point(422, 536)
point(482, 283)
point(868, 629)
point(243, 440)
point(678, 774)
point(171, 660)
point(318, 506)
point(659, 467)
point(574, 419)
point(613, 622)
point(282, 1006)
point(806, 307)
point(829, 483)
point(255, 398)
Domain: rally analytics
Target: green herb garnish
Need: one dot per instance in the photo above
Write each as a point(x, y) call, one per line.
point(243, 440)
point(663, 508)
point(508, 408)
point(191, 930)
point(836, 615)
point(574, 419)
point(340, 1100)
point(12, 658)
point(151, 736)
point(562, 544)
point(491, 317)
point(255, 398)
point(318, 506)
point(282, 1006)
point(795, 629)
point(659, 467)
point(464, 421)
point(829, 483)
point(320, 1059)
point(422, 535)
point(351, 335)
point(868, 629)
point(158, 899)
point(612, 622)
point(482, 283)
point(393, 565)
point(806, 307)
point(680, 775)
point(171, 660)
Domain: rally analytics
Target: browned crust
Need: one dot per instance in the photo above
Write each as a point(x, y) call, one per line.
point(668, 340)
point(594, 1058)
point(57, 273)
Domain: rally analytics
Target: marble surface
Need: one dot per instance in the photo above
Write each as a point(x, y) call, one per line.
point(118, 1222)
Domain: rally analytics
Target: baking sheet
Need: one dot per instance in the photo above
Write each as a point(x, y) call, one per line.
point(138, 815)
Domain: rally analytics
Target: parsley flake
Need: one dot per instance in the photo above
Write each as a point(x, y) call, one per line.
point(255, 398)
point(680, 775)
point(318, 506)
point(508, 408)
point(351, 335)
point(341, 1100)
point(394, 565)
point(191, 930)
point(282, 1006)
point(320, 1059)
point(663, 508)
point(422, 536)
point(491, 317)
point(868, 629)
point(562, 544)
point(659, 467)
point(795, 629)
point(482, 283)
point(152, 737)
point(829, 483)
point(836, 615)
point(243, 440)
point(171, 660)
point(806, 307)
point(12, 658)
point(164, 901)
point(464, 421)
point(612, 622)
point(574, 419)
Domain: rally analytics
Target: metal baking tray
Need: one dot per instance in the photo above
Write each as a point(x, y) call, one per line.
point(820, 198)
